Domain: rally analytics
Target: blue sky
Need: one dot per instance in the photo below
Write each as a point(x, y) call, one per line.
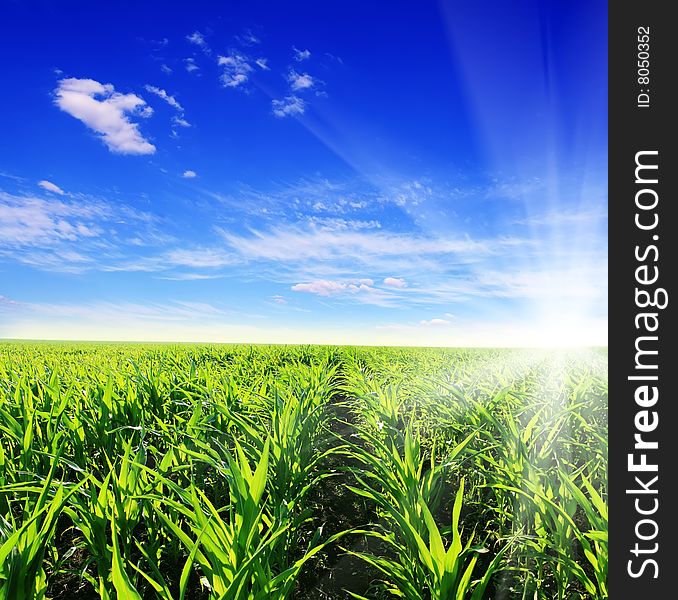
point(338, 172)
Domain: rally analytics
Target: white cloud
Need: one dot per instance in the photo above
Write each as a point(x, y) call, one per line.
point(248, 38)
point(435, 323)
point(296, 244)
point(181, 122)
point(189, 174)
point(171, 100)
point(300, 81)
point(396, 282)
point(339, 224)
point(409, 194)
point(279, 299)
point(72, 234)
point(236, 69)
point(165, 69)
point(262, 63)
point(447, 269)
point(198, 39)
point(28, 221)
point(289, 106)
point(198, 258)
point(106, 112)
point(321, 287)
point(189, 277)
point(190, 65)
point(12, 177)
point(359, 291)
point(300, 55)
point(51, 187)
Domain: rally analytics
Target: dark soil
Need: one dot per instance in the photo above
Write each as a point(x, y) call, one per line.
point(339, 509)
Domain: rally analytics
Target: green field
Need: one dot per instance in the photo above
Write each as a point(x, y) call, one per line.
point(253, 472)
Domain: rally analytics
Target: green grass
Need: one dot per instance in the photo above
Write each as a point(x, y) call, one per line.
point(153, 471)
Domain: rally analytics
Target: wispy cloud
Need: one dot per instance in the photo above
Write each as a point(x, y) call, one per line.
point(29, 221)
point(190, 65)
point(12, 177)
point(300, 81)
point(8, 303)
point(432, 270)
point(557, 282)
point(358, 291)
point(180, 121)
point(158, 44)
point(189, 277)
point(316, 197)
point(51, 187)
point(236, 69)
point(166, 69)
point(294, 243)
point(198, 39)
point(262, 63)
point(177, 119)
point(171, 100)
point(178, 263)
point(106, 112)
point(199, 258)
point(70, 234)
point(301, 55)
point(435, 323)
point(288, 106)
point(189, 174)
point(513, 188)
point(563, 218)
point(248, 38)
point(126, 311)
point(340, 224)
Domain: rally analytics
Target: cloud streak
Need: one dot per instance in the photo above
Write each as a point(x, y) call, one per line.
point(190, 65)
point(71, 234)
point(30, 221)
point(360, 291)
point(51, 187)
point(171, 100)
point(295, 244)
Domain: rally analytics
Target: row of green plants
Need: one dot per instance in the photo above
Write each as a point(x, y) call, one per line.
point(526, 451)
point(150, 471)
